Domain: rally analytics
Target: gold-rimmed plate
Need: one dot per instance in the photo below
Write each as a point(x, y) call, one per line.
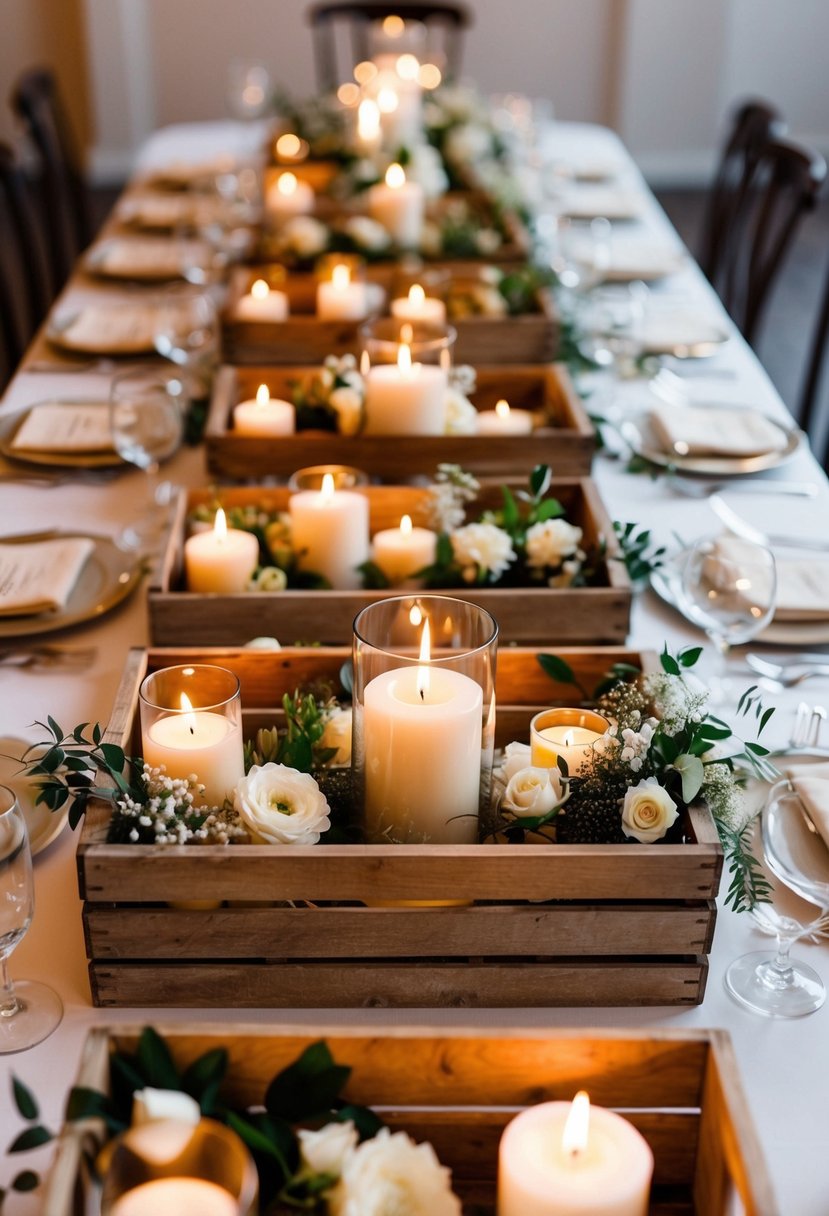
point(644, 442)
point(10, 424)
point(108, 576)
point(42, 825)
point(113, 327)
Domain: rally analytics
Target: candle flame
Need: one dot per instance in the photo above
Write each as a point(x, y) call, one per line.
point(395, 176)
point(327, 488)
point(502, 409)
point(393, 26)
point(387, 101)
point(260, 290)
point(341, 276)
point(407, 66)
point(569, 739)
point(415, 615)
point(404, 359)
point(263, 395)
point(220, 526)
point(416, 295)
point(187, 710)
point(286, 183)
point(577, 1127)
point(406, 333)
point(365, 363)
point(423, 678)
point(406, 529)
point(289, 146)
point(368, 119)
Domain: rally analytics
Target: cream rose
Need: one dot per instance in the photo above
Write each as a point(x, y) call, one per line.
point(482, 546)
point(532, 791)
point(392, 1176)
point(366, 232)
point(327, 1150)
point(648, 811)
point(347, 404)
point(461, 415)
point(305, 235)
point(149, 1105)
point(548, 543)
point(516, 757)
point(280, 805)
point(337, 734)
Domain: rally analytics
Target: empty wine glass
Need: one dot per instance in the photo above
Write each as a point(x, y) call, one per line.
point(147, 419)
point(187, 333)
point(29, 1011)
point(775, 984)
point(248, 89)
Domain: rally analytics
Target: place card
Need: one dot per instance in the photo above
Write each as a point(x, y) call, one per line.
point(39, 577)
point(56, 427)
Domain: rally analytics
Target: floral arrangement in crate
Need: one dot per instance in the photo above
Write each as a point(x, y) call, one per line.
point(458, 123)
point(497, 293)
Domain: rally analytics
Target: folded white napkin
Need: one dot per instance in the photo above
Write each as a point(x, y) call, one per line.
point(677, 330)
point(690, 430)
point(72, 427)
point(802, 589)
point(39, 577)
point(811, 783)
point(123, 329)
point(143, 256)
point(589, 202)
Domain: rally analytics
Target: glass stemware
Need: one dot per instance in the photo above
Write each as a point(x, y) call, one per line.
point(187, 333)
point(147, 420)
point(775, 984)
point(29, 1011)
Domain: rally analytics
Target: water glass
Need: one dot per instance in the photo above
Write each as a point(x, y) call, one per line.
point(147, 419)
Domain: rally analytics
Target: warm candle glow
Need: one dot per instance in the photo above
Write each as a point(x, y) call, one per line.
point(395, 176)
point(327, 488)
point(428, 76)
point(425, 657)
point(220, 526)
point(286, 183)
point(416, 295)
point(393, 26)
point(260, 290)
point(406, 526)
point(502, 409)
point(415, 616)
point(189, 716)
point(263, 395)
point(365, 71)
point(387, 101)
point(576, 1130)
point(368, 119)
point(289, 145)
point(341, 276)
point(407, 67)
point(406, 333)
point(404, 360)
point(348, 94)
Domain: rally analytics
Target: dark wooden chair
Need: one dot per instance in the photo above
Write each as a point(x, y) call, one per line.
point(445, 25)
point(807, 414)
point(24, 285)
point(36, 102)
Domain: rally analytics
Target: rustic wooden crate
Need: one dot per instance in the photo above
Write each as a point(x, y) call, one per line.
point(564, 437)
point(458, 1089)
point(573, 615)
point(551, 924)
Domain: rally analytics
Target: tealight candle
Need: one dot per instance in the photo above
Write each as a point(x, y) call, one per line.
point(288, 197)
point(405, 398)
point(571, 734)
point(261, 303)
point(176, 1197)
point(401, 552)
point(330, 533)
point(340, 299)
point(222, 560)
point(417, 306)
point(398, 205)
point(568, 1159)
point(198, 741)
point(504, 421)
point(265, 416)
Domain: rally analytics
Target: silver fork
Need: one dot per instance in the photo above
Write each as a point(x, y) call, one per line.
point(806, 730)
point(788, 675)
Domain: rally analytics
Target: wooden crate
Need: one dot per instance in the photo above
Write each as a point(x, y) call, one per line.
point(458, 1089)
point(564, 437)
point(550, 925)
point(574, 615)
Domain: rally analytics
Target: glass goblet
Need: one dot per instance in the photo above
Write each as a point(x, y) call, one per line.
point(187, 333)
point(29, 1011)
point(147, 419)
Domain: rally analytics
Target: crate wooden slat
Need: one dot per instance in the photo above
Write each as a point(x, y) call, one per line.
point(563, 616)
point(459, 1088)
point(563, 437)
point(550, 924)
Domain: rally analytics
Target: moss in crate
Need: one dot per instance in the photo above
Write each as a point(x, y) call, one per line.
point(336, 785)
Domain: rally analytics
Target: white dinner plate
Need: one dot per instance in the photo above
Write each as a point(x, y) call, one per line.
point(640, 435)
point(118, 327)
point(591, 203)
point(150, 259)
point(11, 423)
point(43, 825)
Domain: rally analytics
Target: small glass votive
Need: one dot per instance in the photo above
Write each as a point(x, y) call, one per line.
point(191, 723)
point(424, 718)
point(570, 734)
point(345, 477)
point(428, 343)
point(406, 366)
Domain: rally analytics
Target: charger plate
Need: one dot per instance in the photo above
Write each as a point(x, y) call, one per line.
point(11, 423)
point(42, 825)
point(644, 442)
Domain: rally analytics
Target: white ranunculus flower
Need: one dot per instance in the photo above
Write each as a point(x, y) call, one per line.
point(326, 1151)
point(516, 757)
point(305, 235)
point(648, 811)
point(392, 1176)
point(347, 404)
point(280, 805)
point(366, 232)
point(461, 415)
point(548, 543)
point(482, 546)
point(337, 734)
point(532, 791)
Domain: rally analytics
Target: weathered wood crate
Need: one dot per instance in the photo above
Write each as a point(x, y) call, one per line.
point(459, 1088)
point(563, 437)
point(549, 924)
point(567, 616)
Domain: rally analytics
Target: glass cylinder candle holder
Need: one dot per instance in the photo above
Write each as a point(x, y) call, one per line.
point(424, 718)
point(345, 477)
point(406, 366)
point(569, 734)
point(428, 343)
point(191, 723)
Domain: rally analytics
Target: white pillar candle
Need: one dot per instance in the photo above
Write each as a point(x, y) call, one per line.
point(330, 530)
point(422, 737)
point(176, 1197)
point(405, 398)
point(572, 737)
point(201, 742)
point(261, 303)
point(504, 421)
point(340, 299)
point(401, 552)
point(417, 306)
point(264, 416)
point(288, 197)
point(222, 560)
point(398, 205)
point(605, 1171)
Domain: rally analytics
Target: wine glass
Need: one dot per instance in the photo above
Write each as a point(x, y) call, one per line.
point(187, 333)
point(29, 1011)
point(775, 984)
point(248, 89)
point(147, 418)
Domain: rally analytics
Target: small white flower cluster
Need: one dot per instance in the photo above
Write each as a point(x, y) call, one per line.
point(636, 744)
point(170, 814)
point(676, 701)
point(451, 490)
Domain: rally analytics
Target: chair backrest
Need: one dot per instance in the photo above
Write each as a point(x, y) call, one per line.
point(36, 102)
point(814, 367)
point(444, 25)
point(754, 125)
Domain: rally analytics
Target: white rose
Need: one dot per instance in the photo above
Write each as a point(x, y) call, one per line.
point(516, 757)
point(337, 734)
point(366, 232)
point(548, 543)
point(347, 404)
point(484, 546)
point(426, 168)
point(461, 415)
point(327, 1150)
point(648, 811)
point(279, 805)
point(466, 143)
point(269, 578)
point(532, 791)
point(305, 235)
point(149, 1105)
point(392, 1176)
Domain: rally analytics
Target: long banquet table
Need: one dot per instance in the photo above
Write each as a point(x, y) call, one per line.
point(783, 1064)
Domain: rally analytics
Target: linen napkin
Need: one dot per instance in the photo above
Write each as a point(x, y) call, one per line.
point(161, 258)
point(39, 577)
point(124, 329)
point(52, 427)
point(802, 582)
point(811, 783)
point(590, 202)
point(690, 430)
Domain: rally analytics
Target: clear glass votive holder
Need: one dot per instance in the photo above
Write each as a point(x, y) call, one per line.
point(381, 341)
point(424, 718)
point(345, 477)
point(191, 723)
point(569, 734)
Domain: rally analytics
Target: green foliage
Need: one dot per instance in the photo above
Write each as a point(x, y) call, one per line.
point(297, 743)
point(749, 885)
point(640, 556)
point(24, 1100)
point(374, 579)
point(561, 671)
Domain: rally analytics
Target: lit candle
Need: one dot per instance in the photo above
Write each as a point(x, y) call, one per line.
point(265, 416)
point(571, 734)
point(417, 306)
point(568, 1159)
point(398, 205)
point(330, 533)
point(222, 560)
point(288, 197)
point(405, 398)
point(401, 552)
point(262, 304)
point(290, 148)
point(368, 125)
point(197, 741)
point(340, 299)
point(504, 421)
point(422, 735)
point(176, 1197)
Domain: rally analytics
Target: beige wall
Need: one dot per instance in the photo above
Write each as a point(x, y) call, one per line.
point(49, 33)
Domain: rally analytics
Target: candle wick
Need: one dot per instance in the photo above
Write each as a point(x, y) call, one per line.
point(421, 695)
point(192, 731)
